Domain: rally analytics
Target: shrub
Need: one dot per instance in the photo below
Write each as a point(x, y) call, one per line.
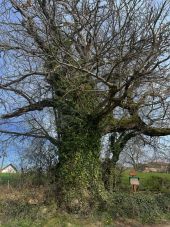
point(163, 202)
point(157, 183)
point(145, 208)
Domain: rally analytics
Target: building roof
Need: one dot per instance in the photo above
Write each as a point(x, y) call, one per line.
point(11, 166)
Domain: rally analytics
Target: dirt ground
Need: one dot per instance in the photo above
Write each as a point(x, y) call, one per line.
point(140, 225)
point(133, 223)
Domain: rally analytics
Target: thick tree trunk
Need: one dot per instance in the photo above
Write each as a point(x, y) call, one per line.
point(79, 171)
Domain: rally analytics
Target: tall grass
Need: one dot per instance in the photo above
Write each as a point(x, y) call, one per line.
point(145, 206)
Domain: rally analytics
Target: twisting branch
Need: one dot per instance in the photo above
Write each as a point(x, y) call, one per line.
point(32, 107)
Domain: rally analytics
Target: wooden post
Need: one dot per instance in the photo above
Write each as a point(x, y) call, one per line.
point(8, 184)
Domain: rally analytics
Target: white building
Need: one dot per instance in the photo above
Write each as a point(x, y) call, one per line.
point(9, 169)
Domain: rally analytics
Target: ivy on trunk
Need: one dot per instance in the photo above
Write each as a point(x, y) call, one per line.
point(79, 172)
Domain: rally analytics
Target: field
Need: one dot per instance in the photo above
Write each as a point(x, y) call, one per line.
point(9, 178)
point(15, 179)
point(148, 181)
point(27, 206)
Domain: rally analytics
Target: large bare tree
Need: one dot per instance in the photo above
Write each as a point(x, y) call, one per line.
point(98, 66)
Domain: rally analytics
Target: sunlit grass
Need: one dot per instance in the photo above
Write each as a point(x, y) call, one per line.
point(144, 178)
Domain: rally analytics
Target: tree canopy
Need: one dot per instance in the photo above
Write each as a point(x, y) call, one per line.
point(113, 54)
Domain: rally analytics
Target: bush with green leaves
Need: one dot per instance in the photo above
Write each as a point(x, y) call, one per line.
point(146, 208)
point(158, 183)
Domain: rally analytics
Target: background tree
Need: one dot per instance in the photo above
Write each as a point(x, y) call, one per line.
point(100, 66)
point(137, 152)
point(3, 156)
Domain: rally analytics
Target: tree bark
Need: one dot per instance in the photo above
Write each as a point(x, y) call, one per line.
point(79, 178)
point(116, 146)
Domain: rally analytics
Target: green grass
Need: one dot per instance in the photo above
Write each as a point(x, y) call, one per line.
point(12, 178)
point(145, 180)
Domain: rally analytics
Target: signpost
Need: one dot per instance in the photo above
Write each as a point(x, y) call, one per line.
point(134, 180)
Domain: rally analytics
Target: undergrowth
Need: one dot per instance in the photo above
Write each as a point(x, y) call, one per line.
point(145, 208)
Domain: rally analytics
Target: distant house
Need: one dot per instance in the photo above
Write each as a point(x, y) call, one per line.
point(156, 167)
point(9, 169)
point(150, 169)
